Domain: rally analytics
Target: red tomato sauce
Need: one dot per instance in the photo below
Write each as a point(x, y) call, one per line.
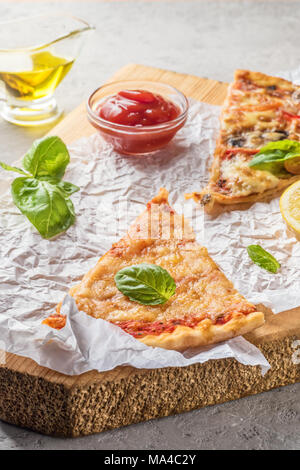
point(223, 319)
point(230, 153)
point(138, 108)
point(56, 321)
point(138, 329)
point(290, 116)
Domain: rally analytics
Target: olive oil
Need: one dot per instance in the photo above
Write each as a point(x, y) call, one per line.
point(34, 76)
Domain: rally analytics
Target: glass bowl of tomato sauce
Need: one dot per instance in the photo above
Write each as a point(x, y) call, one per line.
point(137, 117)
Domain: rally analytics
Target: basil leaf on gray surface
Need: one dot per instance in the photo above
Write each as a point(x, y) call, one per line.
point(272, 157)
point(41, 195)
point(147, 284)
point(263, 259)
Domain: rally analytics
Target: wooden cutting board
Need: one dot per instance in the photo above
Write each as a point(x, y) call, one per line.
point(52, 403)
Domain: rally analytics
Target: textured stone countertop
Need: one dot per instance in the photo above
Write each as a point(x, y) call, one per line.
point(208, 38)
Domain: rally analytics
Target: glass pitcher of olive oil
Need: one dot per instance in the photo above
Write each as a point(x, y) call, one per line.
point(35, 55)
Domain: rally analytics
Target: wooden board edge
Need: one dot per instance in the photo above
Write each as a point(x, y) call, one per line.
point(96, 406)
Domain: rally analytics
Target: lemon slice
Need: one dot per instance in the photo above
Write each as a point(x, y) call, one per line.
point(290, 206)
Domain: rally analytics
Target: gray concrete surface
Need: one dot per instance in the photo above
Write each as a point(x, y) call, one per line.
point(208, 38)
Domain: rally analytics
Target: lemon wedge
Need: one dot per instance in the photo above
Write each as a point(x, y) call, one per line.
point(290, 206)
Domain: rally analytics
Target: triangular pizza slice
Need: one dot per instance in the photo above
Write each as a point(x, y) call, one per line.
point(258, 109)
point(205, 307)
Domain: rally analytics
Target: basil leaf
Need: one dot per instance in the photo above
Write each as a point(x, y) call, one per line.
point(272, 156)
point(13, 168)
point(68, 188)
point(273, 162)
point(47, 157)
point(263, 259)
point(42, 196)
point(147, 284)
point(44, 204)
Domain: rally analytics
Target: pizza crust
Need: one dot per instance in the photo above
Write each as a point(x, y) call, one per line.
point(209, 199)
point(263, 80)
point(205, 333)
point(202, 289)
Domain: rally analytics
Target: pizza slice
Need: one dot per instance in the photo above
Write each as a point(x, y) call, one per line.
point(258, 109)
point(205, 307)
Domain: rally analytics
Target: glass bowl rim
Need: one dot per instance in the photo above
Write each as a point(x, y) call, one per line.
point(132, 129)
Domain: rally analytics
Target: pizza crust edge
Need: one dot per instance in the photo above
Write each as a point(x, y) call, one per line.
point(260, 76)
point(209, 198)
point(206, 333)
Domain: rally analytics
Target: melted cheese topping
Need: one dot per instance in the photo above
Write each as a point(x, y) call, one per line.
point(243, 180)
point(252, 139)
point(256, 102)
point(235, 120)
point(240, 98)
point(202, 290)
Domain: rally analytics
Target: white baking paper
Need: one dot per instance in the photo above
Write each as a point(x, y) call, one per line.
point(35, 274)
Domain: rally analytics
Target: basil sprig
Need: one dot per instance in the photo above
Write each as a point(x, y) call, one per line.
point(272, 157)
point(147, 284)
point(40, 193)
point(263, 259)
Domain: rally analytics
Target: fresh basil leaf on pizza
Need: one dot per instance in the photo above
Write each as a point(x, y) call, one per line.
point(204, 309)
point(147, 284)
point(273, 157)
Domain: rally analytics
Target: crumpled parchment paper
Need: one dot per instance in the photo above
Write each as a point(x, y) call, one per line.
point(35, 274)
